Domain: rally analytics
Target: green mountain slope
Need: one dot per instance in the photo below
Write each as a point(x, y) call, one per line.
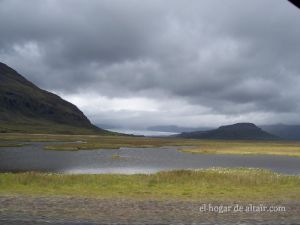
point(26, 108)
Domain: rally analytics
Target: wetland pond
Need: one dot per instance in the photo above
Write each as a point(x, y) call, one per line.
point(33, 157)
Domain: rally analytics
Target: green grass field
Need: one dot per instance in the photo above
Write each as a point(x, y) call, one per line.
point(2, 145)
point(247, 148)
point(82, 142)
point(211, 184)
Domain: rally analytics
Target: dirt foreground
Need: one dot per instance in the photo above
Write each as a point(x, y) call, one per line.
point(87, 211)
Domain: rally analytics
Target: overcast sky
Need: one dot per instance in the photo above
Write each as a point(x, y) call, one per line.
point(137, 63)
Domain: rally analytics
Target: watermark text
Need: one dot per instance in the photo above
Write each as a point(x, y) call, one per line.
point(238, 208)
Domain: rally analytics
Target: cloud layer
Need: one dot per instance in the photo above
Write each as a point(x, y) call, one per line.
point(139, 63)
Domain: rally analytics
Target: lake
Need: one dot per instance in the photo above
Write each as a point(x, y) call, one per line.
point(147, 133)
point(131, 160)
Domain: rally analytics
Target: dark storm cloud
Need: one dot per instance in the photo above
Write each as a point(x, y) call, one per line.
point(233, 58)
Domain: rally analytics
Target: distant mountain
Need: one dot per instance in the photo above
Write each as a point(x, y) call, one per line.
point(26, 108)
point(289, 132)
point(176, 129)
point(247, 131)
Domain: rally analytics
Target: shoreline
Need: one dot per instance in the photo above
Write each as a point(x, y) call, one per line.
point(92, 142)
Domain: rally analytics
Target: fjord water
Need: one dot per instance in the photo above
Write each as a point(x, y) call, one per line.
point(32, 157)
point(146, 133)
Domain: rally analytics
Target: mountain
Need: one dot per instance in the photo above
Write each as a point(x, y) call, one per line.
point(289, 132)
point(26, 108)
point(247, 131)
point(176, 129)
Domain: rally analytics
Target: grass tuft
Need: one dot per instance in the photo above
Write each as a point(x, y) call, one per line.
point(213, 184)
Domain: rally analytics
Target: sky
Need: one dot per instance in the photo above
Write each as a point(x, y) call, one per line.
point(140, 63)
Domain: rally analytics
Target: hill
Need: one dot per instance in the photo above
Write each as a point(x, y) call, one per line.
point(247, 131)
point(289, 132)
point(26, 108)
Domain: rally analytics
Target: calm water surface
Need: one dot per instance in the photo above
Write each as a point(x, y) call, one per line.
point(132, 160)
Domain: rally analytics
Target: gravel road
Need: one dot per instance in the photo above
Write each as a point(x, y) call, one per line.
point(20, 210)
